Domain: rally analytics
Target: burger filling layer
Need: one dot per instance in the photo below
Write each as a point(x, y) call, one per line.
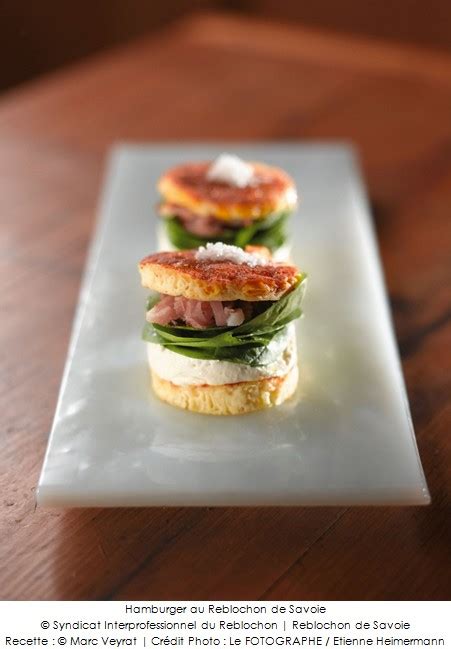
point(243, 332)
point(186, 229)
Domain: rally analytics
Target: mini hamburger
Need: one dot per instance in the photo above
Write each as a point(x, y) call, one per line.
point(228, 200)
point(219, 328)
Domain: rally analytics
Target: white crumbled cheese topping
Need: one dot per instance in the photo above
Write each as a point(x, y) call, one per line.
point(223, 252)
point(231, 169)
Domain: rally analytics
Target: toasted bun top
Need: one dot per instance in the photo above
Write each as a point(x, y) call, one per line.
point(180, 273)
point(272, 190)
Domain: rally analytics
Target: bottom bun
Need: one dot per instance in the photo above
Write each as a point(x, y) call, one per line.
point(229, 399)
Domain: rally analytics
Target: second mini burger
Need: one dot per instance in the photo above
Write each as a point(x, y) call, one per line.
point(228, 200)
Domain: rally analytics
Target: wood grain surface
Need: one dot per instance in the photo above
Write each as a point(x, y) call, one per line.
point(217, 76)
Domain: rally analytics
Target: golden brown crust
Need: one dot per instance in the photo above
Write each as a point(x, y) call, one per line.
point(187, 185)
point(180, 273)
point(229, 399)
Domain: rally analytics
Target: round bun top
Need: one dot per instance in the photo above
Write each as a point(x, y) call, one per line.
point(270, 190)
point(182, 273)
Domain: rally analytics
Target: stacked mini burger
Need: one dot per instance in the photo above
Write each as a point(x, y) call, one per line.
point(228, 200)
point(219, 328)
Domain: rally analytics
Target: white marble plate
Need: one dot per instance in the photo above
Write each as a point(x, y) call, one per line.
point(346, 438)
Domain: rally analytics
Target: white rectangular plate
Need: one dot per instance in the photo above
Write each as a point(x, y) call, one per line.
point(346, 438)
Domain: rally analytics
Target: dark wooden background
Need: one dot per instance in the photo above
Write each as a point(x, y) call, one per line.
point(217, 76)
point(40, 36)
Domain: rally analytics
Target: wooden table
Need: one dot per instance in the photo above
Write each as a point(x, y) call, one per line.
point(209, 77)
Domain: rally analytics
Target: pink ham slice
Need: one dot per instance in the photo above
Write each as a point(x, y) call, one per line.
point(201, 226)
point(200, 315)
point(219, 313)
point(196, 313)
point(160, 314)
point(179, 307)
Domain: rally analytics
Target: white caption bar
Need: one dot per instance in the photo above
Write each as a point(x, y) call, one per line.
point(225, 624)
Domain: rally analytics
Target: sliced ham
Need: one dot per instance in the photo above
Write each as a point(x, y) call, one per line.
point(200, 226)
point(167, 300)
point(179, 307)
point(189, 312)
point(197, 313)
point(200, 315)
point(160, 314)
point(219, 313)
